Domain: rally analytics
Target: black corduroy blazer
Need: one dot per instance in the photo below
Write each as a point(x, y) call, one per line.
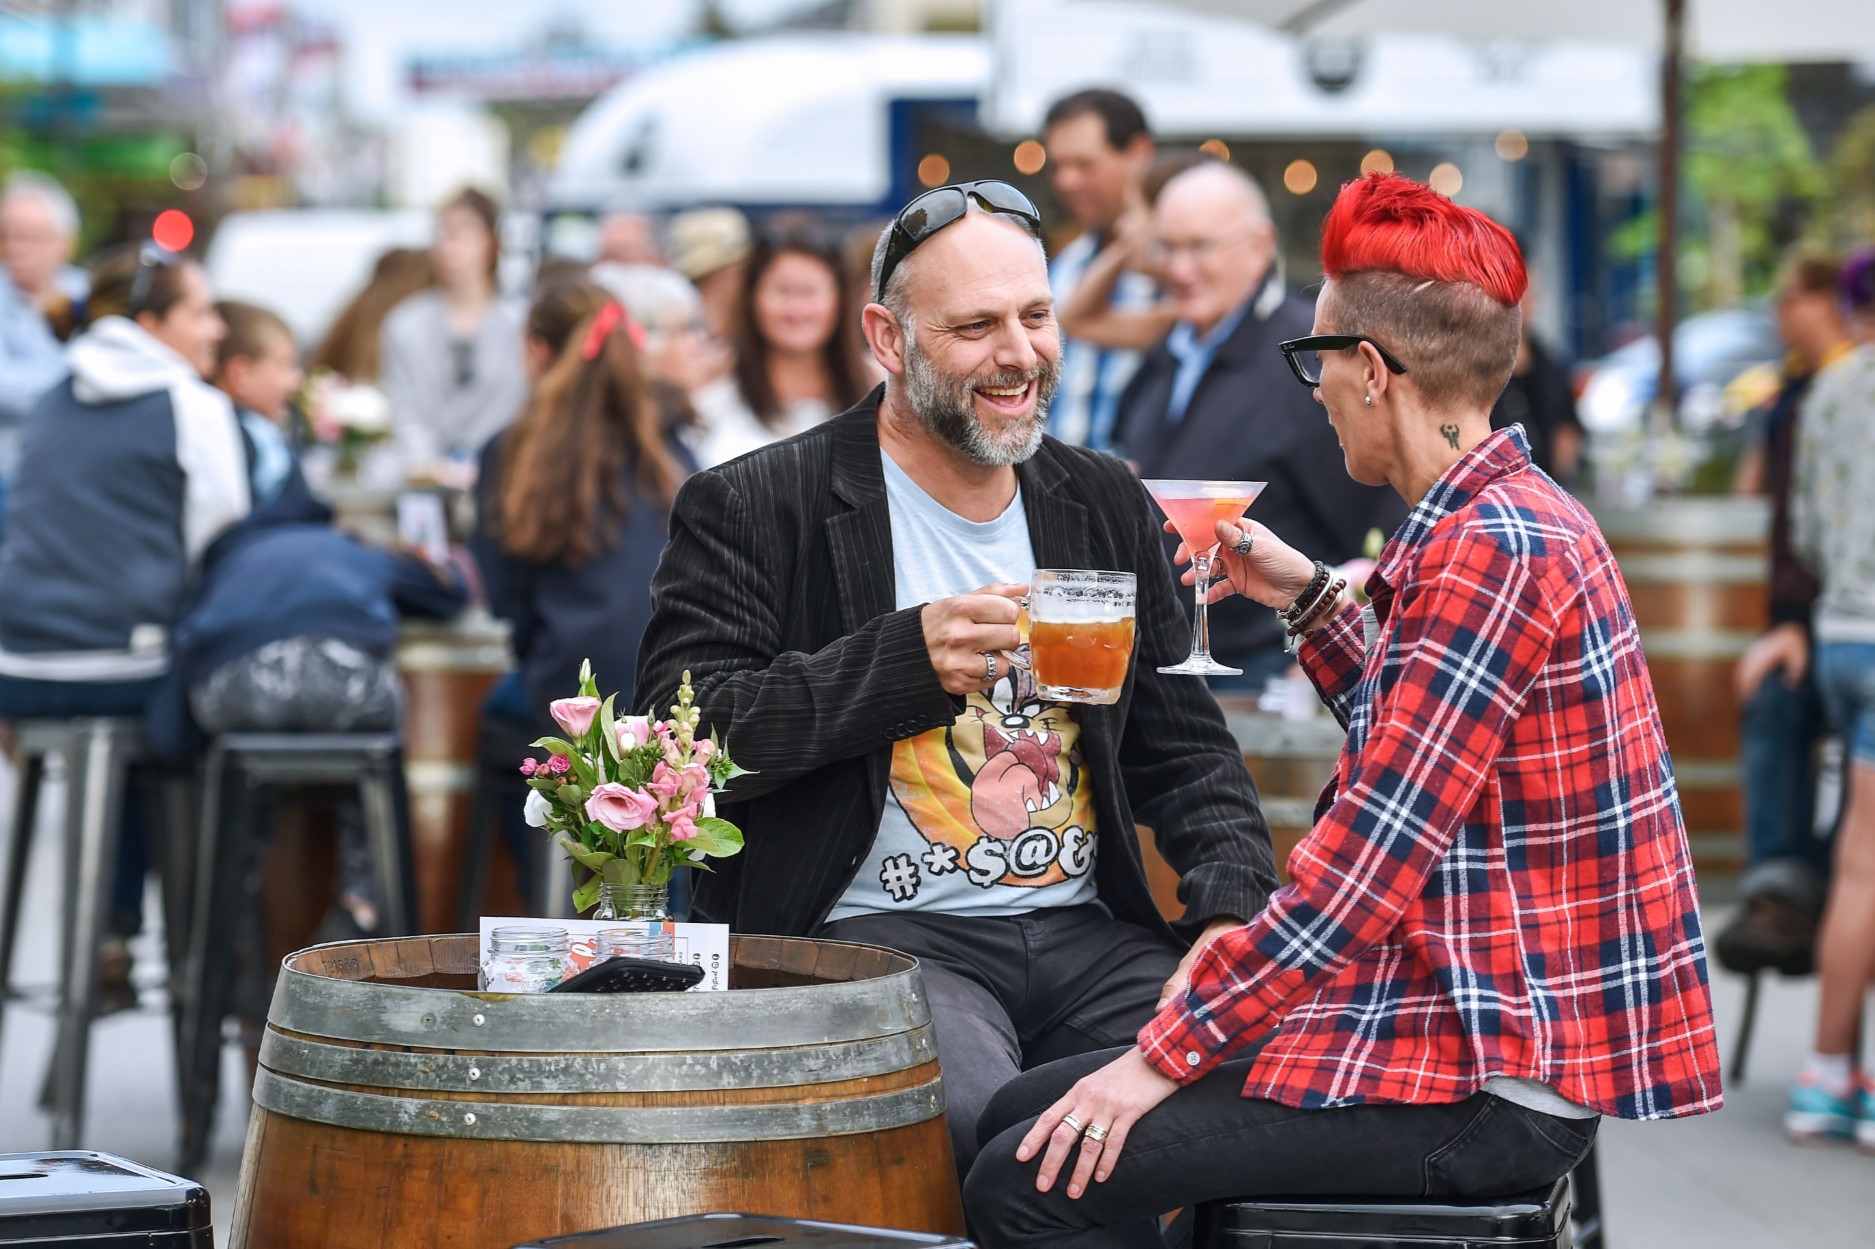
point(777, 594)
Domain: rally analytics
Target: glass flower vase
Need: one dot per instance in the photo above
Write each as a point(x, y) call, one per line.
point(642, 912)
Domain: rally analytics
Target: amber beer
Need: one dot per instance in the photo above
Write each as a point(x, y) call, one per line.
point(1080, 634)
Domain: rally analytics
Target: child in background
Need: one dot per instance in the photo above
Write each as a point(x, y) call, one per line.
point(293, 625)
point(257, 366)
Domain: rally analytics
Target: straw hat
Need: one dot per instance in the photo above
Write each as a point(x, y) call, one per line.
point(707, 239)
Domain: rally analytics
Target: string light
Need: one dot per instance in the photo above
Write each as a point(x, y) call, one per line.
point(1217, 148)
point(1030, 157)
point(1446, 179)
point(1380, 160)
point(934, 170)
point(1300, 177)
point(1513, 145)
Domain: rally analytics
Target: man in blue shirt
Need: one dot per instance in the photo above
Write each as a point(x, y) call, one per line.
point(1215, 399)
point(1099, 148)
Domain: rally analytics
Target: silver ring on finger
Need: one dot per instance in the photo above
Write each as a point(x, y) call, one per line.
point(1243, 546)
point(1073, 1124)
point(989, 665)
point(1095, 1133)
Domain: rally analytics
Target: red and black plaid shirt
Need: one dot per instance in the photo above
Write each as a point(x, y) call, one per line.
point(1498, 882)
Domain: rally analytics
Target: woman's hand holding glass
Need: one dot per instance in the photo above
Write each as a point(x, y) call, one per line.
point(1273, 573)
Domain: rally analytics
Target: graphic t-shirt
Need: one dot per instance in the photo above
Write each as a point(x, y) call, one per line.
point(994, 813)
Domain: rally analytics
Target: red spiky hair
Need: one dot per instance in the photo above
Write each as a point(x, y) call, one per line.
point(1389, 223)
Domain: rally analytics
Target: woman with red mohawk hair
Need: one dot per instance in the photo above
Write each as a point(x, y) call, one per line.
point(1491, 937)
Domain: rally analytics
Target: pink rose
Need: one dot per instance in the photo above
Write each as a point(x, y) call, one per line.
point(529, 767)
point(633, 732)
point(575, 715)
point(620, 808)
point(558, 765)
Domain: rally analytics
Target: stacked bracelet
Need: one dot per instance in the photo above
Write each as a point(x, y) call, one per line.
point(1324, 604)
point(1306, 600)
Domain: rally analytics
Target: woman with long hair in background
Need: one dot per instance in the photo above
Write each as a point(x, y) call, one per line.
point(799, 359)
point(574, 498)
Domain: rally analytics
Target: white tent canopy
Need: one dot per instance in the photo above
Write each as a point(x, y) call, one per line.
point(1716, 30)
point(791, 120)
point(1197, 75)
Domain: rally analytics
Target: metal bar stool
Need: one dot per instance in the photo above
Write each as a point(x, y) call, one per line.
point(240, 766)
point(99, 752)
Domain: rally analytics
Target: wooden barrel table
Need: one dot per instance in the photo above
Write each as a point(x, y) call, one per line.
point(1695, 569)
point(396, 1106)
point(447, 670)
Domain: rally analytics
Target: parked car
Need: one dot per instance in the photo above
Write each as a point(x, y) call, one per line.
point(1710, 349)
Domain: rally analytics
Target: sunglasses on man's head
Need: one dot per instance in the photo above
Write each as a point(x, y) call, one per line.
point(1304, 354)
point(150, 258)
point(944, 206)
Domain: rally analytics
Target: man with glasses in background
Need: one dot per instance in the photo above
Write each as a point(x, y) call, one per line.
point(844, 601)
point(1215, 400)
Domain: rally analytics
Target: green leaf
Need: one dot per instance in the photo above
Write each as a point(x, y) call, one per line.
point(591, 860)
point(556, 745)
point(587, 895)
point(608, 736)
point(572, 796)
point(588, 776)
point(716, 838)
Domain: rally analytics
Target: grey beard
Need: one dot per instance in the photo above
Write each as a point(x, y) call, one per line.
point(944, 404)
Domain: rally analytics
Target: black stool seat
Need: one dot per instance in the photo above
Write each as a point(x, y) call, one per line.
point(722, 1231)
point(1533, 1220)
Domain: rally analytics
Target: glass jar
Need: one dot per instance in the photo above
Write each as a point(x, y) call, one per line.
point(529, 959)
point(646, 910)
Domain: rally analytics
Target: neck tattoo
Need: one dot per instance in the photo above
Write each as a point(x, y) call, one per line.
point(1451, 434)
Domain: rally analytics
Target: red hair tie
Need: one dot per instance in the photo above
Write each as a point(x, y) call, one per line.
point(602, 325)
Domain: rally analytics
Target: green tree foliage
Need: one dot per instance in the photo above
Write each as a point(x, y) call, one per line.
point(1850, 217)
point(1747, 172)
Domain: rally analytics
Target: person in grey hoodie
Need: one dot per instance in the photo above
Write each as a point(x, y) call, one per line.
point(129, 469)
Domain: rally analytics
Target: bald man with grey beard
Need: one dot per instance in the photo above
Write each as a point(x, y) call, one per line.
point(845, 602)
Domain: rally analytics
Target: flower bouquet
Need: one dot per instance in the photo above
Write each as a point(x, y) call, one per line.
point(345, 415)
point(630, 799)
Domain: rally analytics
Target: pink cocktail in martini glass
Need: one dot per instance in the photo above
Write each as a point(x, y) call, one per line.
point(1195, 508)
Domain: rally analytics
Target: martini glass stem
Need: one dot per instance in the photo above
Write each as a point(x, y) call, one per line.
point(1201, 619)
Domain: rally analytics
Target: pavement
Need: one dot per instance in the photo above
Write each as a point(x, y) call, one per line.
point(1721, 1181)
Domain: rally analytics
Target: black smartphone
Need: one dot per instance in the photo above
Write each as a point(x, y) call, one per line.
point(632, 975)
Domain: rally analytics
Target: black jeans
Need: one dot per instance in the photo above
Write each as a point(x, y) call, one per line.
point(1012, 993)
point(1207, 1141)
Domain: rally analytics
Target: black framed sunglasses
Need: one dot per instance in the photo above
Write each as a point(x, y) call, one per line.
point(1304, 355)
point(944, 206)
point(150, 257)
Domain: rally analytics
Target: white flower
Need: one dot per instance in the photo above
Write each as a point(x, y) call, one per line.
point(537, 809)
point(633, 732)
point(363, 409)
